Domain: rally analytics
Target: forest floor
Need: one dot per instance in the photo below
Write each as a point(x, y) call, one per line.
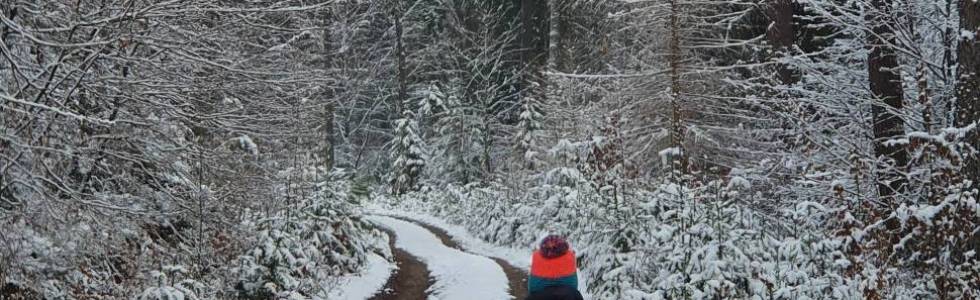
point(430, 262)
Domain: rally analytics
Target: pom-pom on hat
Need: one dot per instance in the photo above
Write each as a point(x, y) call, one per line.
point(553, 246)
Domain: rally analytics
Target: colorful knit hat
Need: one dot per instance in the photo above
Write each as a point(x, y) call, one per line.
point(553, 246)
point(553, 264)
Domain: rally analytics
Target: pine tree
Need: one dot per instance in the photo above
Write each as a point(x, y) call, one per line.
point(456, 140)
point(408, 155)
point(528, 129)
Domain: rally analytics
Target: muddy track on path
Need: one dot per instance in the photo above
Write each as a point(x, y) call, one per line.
point(410, 281)
point(517, 278)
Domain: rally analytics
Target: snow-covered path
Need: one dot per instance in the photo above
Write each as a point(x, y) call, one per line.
point(456, 274)
point(516, 276)
point(364, 285)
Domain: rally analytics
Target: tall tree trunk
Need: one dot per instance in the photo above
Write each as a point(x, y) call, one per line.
point(968, 84)
point(330, 108)
point(781, 36)
point(555, 34)
point(402, 77)
point(486, 158)
point(678, 157)
point(535, 39)
point(886, 88)
point(535, 21)
point(328, 132)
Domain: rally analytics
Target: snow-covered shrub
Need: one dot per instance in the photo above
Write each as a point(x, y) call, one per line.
point(922, 243)
point(926, 249)
point(277, 265)
point(332, 225)
point(706, 245)
point(168, 288)
point(299, 248)
point(662, 242)
point(567, 152)
point(65, 263)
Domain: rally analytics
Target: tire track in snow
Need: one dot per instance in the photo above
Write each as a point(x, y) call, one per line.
point(410, 281)
point(455, 273)
point(517, 278)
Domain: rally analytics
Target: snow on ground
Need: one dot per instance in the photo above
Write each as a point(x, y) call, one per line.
point(364, 285)
point(458, 275)
point(519, 258)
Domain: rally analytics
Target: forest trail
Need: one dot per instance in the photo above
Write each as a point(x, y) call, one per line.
point(409, 281)
point(429, 261)
point(516, 278)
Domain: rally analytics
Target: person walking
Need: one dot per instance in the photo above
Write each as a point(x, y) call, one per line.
point(554, 275)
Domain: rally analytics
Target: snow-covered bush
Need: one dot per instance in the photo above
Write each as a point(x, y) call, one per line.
point(277, 265)
point(713, 247)
point(302, 246)
point(667, 242)
point(167, 288)
point(332, 224)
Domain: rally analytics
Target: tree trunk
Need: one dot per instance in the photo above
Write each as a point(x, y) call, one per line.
point(555, 34)
point(535, 24)
point(400, 61)
point(968, 85)
point(330, 108)
point(678, 157)
point(886, 88)
point(781, 36)
point(328, 131)
point(535, 42)
point(535, 20)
